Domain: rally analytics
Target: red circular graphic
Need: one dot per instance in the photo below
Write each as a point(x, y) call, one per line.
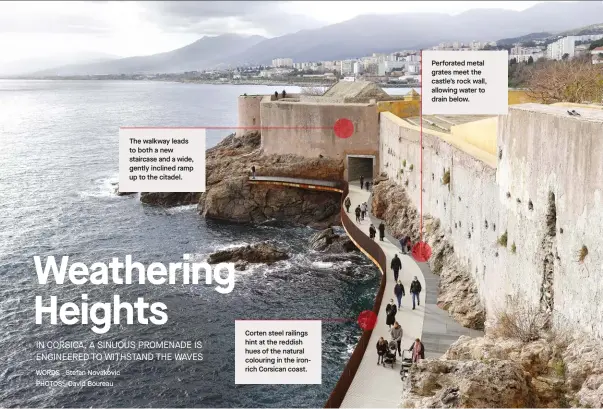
point(344, 128)
point(421, 252)
point(367, 320)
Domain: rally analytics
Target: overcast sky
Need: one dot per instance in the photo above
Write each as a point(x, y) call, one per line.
point(31, 30)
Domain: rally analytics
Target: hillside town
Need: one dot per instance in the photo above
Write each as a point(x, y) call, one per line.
point(402, 68)
point(395, 69)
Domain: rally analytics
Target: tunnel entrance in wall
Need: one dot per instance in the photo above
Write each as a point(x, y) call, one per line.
point(360, 165)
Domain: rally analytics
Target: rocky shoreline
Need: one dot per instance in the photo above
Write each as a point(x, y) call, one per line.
point(230, 197)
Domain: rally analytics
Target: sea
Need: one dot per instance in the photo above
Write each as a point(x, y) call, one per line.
point(58, 171)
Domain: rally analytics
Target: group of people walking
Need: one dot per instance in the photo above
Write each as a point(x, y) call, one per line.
point(373, 231)
point(361, 211)
point(364, 185)
point(417, 349)
point(395, 329)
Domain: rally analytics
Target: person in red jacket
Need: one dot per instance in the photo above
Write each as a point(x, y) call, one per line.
point(417, 350)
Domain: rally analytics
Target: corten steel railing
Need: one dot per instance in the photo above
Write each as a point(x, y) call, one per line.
point(374, 252)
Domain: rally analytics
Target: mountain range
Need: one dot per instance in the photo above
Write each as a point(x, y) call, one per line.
point(357, 37)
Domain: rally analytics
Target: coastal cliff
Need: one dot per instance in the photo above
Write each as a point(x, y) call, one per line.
point(229, 195)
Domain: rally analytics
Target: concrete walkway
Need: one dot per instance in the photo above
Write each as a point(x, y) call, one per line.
point(326, 183)
point(373, 385)
point(376, 386)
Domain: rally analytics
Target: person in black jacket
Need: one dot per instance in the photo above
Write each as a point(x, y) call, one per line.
point(396, 265)
point(417, 350)
point(399, 292)
point(415, 290)
point(372, 231)
point(253, 172)
point(382, 347)
point(357, 211)
point(347, 204)
point(381, 231)
point(390, 312)
point(361, 182)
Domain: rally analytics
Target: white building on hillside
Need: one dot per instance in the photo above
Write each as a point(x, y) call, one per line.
point(282, 63)
point(565, 45)
point(597, 55)
point(358, 68)
point(346, 67)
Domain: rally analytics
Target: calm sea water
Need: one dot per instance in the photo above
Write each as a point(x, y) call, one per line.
point(58, 160)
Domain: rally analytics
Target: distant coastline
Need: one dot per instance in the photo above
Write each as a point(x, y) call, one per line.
point(275, 82)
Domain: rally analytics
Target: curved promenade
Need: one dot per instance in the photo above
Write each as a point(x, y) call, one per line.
point(363, 383)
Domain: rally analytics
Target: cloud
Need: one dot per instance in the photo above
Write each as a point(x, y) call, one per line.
point(218, 17)
point(52, 17)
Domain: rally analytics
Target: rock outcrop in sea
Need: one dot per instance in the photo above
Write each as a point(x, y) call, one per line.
point(256, 253)
point(457, 293)
point(229, 195)
point(328, 241)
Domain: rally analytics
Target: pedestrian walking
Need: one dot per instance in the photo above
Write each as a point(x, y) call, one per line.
point(275, 94)
point(390, 313)
point(405, 244)
point(396, 266)
point(417, 350)
point(253, 172)
point(372, 231)
point(361, 182)
point(363, 209)
point(415, 290)
point(368, 186)
point(357, 211)
point(399, 292)
point(284, 94)
point(396, 333)
point(381, 231)
point(347, 204)
point(382, 347)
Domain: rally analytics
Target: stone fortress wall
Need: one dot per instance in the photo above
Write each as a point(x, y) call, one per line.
point(306, 129)
point(248, 113)
point(543, 188)
point(535, 174)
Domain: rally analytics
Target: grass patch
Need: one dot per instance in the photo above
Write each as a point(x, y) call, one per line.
point(502, 240)
point(582, 254)
point(513, 248)
point(404, 163)
point(559, 368)
point(411, 167)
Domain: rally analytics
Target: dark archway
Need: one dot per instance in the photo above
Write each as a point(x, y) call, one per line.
point(360, 165)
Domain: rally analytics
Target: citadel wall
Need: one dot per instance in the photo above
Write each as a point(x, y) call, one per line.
point(306, 129)
point(546, 176)
point(248, 113)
